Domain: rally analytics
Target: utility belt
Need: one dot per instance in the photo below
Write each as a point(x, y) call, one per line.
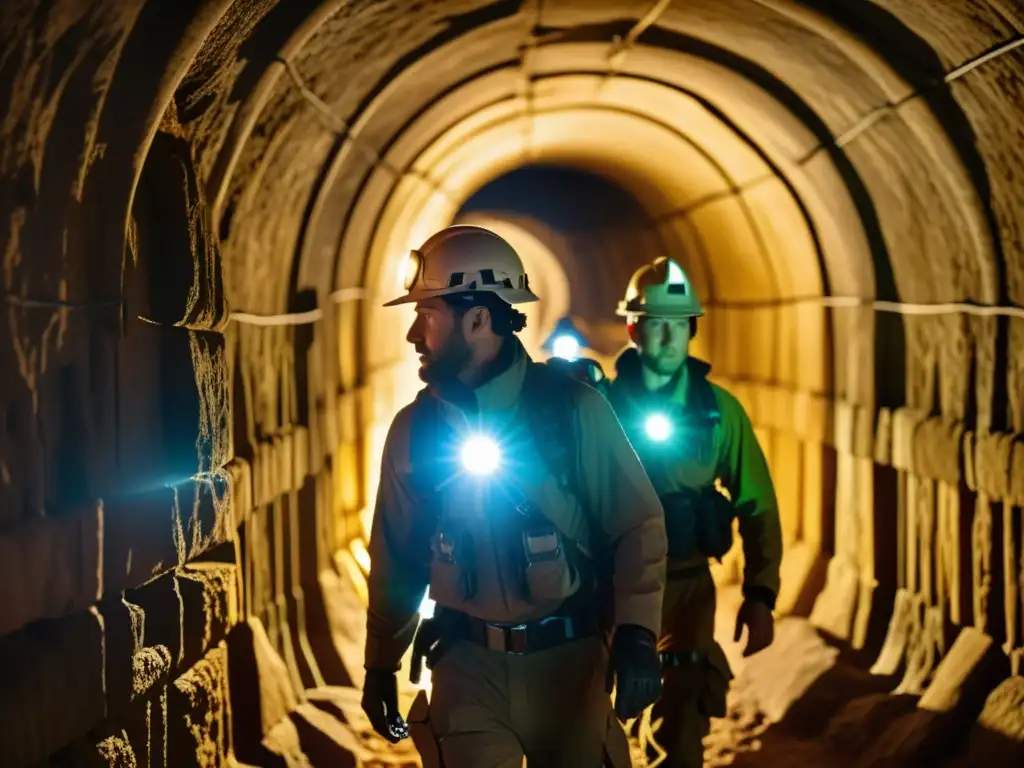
point(672, 659)
point(531, 637)
point(436, 636)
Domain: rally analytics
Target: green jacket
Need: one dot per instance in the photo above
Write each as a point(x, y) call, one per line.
point(620, 513)
point(735, 458)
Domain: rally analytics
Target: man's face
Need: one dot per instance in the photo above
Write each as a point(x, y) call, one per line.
point(438, 337)
point(664, 343)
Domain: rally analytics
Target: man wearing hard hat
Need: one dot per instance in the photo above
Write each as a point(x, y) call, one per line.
point(511, 491)
point(690, 433)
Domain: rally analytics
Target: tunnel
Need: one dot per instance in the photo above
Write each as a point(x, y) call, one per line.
point(205, 204)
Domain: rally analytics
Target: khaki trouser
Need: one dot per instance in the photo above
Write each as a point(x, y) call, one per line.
point(489, 708)
point(693, 692)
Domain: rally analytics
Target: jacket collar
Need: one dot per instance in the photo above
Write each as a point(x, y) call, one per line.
point(501, 386)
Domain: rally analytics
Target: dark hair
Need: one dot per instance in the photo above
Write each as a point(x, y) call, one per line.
point(505, 320)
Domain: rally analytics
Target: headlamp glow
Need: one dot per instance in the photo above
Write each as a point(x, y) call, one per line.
point(410, 270)
point(566, 346)
point(658, 427)
point(480, 456)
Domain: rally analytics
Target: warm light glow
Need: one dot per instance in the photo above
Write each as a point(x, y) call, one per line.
point(361, 554)
point(480, 455)
point(675, 274)
point(658, 427)
point(408, 271)
point(566, 347)
point(427, 608)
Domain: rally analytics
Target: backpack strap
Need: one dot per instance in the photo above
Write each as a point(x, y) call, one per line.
point(429, 433)
point(551, 411)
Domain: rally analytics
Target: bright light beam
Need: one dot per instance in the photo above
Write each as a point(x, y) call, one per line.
point(480, 456)
point(658, 427)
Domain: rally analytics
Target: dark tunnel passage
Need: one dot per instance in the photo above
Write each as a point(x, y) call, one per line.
point(205, 203)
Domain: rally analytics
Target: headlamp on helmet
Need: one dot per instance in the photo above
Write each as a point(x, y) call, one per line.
point(566, 342)
point(411, 269)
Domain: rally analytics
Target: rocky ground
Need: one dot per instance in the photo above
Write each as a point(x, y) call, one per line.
point(801, 702)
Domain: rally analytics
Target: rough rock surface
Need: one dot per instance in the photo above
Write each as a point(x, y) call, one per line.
point(163, 167)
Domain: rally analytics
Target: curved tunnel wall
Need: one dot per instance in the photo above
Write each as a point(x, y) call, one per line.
point(307, 149)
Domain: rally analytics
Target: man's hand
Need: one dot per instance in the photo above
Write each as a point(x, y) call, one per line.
point(636, 665)
point(756, 616)
point(380, 703)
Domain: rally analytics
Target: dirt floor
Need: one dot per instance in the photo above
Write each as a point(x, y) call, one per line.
point(799, 703)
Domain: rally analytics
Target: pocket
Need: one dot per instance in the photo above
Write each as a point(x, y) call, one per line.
point(452, 569)
point(548, 575)
point(680, 527)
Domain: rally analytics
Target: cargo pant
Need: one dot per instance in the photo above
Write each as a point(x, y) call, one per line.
point(489, 708)
point(694, 690)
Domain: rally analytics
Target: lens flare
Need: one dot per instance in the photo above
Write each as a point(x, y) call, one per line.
point(480, 456)
point(658, 427)
point(566, 347)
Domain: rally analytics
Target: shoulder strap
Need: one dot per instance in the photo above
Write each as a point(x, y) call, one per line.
point(703, 402)
point(428, 430)
point(550, 401)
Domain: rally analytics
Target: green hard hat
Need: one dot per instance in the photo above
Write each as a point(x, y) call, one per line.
point(660, 288)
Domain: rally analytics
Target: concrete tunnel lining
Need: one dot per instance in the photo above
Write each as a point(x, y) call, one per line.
point(873, 161)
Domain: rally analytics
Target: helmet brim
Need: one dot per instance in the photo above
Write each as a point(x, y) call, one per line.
point(509, 295)
point(652, 310)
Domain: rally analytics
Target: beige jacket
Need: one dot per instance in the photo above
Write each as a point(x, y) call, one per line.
point(620, 511)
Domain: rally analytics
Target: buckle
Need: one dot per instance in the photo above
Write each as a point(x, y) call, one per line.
point(508, 639)
point(517, 639)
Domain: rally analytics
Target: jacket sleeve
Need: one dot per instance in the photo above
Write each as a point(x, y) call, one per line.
point(744, 472)
point(627, 510)
point(399, 549)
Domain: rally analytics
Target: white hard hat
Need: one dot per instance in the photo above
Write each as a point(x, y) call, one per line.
point(465, 259)
point(660, 288)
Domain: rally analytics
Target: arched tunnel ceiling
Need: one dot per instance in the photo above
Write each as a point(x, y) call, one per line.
point(303, 117)
point(164, 160)
point(289, 108)
point(786, 79)
point(838, 78)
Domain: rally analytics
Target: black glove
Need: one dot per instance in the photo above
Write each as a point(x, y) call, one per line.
point(635, 662)
point(380, 703)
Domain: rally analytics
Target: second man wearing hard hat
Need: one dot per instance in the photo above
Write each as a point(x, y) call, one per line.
point(513, 493)
point(690, 433)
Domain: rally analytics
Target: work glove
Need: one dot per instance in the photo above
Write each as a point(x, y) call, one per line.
point(636, 667)
point(756, 615)
point(380, 703)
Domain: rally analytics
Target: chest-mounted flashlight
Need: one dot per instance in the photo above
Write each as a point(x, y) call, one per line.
point(480, 456)
point(658, 427)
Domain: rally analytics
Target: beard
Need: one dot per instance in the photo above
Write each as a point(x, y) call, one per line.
point(446, 362)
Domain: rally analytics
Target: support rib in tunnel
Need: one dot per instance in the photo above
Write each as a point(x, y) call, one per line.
point(833, 177)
